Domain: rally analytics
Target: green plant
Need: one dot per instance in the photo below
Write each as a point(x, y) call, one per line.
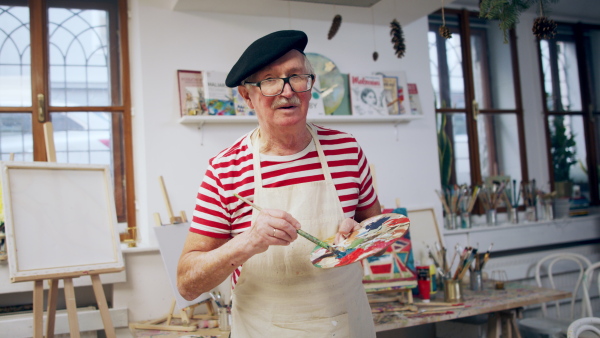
point(562, 148)
point(444, 151)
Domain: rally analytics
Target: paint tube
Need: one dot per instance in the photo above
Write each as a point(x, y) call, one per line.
point(424, 282)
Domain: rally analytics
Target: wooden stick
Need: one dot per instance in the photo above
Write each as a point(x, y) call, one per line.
point(299, 231)
point(51, 312)
point(49, 139)
point(166, 197)
point(109, 329)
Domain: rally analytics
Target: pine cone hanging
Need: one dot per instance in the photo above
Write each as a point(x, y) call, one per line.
point(445, 32)
point(335, 26)
point(397, 38)
point(544, 28)
point(375, 56)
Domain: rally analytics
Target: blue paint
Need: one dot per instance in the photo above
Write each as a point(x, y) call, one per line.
point(377, 224)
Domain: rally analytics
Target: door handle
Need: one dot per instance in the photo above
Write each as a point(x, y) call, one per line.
point(41, 108)
point(475, 110)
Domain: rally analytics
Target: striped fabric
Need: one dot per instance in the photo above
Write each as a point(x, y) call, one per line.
point(219, 214)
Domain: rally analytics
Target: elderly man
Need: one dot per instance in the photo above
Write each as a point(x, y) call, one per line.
point(302, 176)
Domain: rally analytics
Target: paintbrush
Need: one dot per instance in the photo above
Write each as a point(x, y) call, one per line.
point(299, 231)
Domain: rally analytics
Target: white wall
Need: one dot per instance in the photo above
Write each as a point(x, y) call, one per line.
point(163, 41)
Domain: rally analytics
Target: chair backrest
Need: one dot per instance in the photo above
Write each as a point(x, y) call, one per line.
point(587, 283)
point(581, 325)
point(581, 263)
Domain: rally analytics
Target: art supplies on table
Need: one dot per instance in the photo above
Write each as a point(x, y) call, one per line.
point(424, 282)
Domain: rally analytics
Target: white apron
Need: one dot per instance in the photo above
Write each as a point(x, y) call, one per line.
point(280, 293)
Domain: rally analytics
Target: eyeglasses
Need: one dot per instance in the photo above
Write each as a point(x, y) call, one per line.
point(273, 87)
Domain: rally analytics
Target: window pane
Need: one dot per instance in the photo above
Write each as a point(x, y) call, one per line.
point(445, 58)
point(16, 137)
point(499, 153)
point(453, 143)
point(15, 57)
point(79, 57)
point(83, 137)
point(492, 66)
point(592, 51)
point(560, 71)
point(569, 154)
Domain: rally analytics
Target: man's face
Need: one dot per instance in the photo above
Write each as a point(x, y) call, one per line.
point(287, 108)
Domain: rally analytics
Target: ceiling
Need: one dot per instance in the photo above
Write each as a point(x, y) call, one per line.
point(357, 11)
point(586, 10)
point(363, 11)
point(357, 3)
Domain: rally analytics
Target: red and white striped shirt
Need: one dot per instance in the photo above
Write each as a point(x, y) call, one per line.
point(219, 214)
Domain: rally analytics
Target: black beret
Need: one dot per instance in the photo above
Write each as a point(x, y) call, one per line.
point(264, 51)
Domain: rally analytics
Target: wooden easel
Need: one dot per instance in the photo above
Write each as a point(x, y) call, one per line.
point(186, 314)
point(38, 288)
point(172, 219)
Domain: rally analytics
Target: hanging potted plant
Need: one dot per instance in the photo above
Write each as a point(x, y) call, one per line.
point(562, 148)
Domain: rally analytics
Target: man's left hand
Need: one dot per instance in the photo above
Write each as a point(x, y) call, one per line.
point(346, 228)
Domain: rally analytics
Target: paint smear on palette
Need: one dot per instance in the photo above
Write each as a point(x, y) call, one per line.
point(374, 234)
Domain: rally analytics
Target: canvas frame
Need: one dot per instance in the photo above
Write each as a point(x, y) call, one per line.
point(61, 220)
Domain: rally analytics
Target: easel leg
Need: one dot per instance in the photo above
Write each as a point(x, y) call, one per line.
point(103, 306)
point(51, 309)
point(71, 307)
point(38, 309)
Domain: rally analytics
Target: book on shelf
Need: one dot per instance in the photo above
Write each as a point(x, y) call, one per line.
point(239, 104)
point(415, 101)
point(191, 92)
point(367, 94)
point(401, 96)
point(219, 99)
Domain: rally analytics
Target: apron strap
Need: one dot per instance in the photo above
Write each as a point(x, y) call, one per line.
point(256, 156)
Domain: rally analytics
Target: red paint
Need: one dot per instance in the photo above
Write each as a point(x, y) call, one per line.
point(423, 282)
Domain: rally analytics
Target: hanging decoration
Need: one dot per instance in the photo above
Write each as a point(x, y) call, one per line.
point(507, 11)
point(444, 31)
point(375, 54)
point(335, 26)
point(543, 27)
point(397, 38)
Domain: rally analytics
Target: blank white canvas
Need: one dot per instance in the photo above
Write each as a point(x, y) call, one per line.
point(170, 242)
point(422, 233)
point(60, 219)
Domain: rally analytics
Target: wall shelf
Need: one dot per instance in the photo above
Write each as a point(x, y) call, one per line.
point(394, 119)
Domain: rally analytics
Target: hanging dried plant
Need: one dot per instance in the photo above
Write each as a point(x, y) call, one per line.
point(375, 56)
point(544, 28)
point(335, 26)
point(444, 31)
point(397, 38)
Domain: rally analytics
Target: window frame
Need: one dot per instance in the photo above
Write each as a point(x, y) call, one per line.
point(120, 91)
point(470, 110)
point(588, 113)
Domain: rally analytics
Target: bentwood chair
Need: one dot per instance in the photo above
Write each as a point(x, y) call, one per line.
point(584, 327)
point(557, 324)
point(587, 285)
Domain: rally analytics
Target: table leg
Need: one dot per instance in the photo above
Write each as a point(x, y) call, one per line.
point(493, 325)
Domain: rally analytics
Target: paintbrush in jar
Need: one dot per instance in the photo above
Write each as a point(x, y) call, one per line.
point(300, 232)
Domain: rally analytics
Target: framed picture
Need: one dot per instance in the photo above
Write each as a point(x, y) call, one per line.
point(191, 92)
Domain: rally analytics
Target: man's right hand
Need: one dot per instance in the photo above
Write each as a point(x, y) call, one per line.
point(272, 227)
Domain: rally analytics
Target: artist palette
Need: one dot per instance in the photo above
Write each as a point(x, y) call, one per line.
point(375, 234)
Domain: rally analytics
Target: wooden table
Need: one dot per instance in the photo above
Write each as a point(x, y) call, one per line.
point(488, 301)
